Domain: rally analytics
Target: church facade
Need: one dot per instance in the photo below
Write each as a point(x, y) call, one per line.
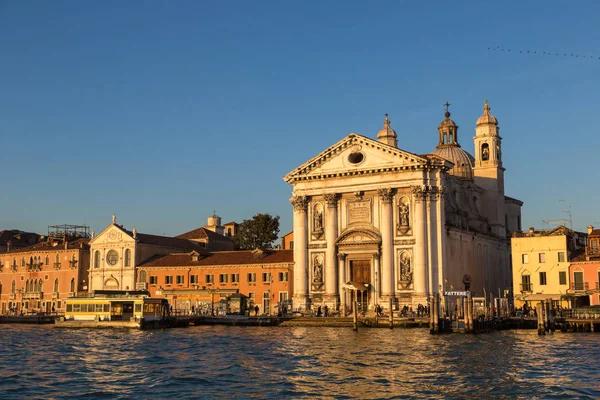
point(381, 225)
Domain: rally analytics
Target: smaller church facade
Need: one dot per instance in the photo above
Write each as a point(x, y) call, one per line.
point(117, 252)
point(380, 225)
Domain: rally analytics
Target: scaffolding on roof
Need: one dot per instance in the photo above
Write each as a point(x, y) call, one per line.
point(70, 231)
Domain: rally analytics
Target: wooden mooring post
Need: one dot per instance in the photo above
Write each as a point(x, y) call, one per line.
point(540, 318)
point(391, 313)
point(355, 316)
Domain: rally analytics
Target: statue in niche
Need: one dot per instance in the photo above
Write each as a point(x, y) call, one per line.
point(318, 221)
point(404, 214)
point(405, 273)
point(317, 270)
point(403, 225)
point(485, 152)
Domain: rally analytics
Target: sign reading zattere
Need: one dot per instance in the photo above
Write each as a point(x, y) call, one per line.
point(456, 293)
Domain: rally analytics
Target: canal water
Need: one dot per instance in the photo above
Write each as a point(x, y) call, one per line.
point(280, 362)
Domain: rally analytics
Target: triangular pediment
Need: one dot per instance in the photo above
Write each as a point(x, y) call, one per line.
point(112, 233)
point(356, 154)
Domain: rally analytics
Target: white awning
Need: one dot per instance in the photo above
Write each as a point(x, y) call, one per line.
point(539, 297)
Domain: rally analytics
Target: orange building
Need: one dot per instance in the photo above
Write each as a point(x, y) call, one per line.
point(200, 282)
point(584, 273)
point(40, 277)
point(287, 241)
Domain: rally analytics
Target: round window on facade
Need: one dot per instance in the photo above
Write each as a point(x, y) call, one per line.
point(356, 158)
point(112, 257)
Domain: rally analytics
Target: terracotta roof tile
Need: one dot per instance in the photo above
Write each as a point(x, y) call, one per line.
point(163, 241)
point(204, 233)
point(241, 257)
point(52, 246)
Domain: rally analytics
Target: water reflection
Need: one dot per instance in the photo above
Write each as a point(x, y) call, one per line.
point(237, 362)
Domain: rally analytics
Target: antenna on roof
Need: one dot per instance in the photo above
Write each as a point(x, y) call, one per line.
point(567, 217)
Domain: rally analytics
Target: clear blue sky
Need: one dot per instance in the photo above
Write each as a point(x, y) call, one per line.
point(161, 112)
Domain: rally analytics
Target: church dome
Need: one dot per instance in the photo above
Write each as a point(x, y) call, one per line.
point(463, 161)
point(487, 118)
point(448, 123)
point(449, 148)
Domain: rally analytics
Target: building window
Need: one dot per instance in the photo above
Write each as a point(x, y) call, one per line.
point(251, 277)
point(97, 259)
point(169, 280)
point(47, 260)
point(112, 257)
point(542, 257)
point(283, 277)
point(235, 278)
point(525, 258)
point(153, 280)
point(180, 279)
point(526, 283)
point(222, 278)
point(56, 285)
point(291, 245)
point(283, 298)
point(561, 256)
point(542, 278)
point(266, 302)
point(266, 277)
point(194, 279)
point(127, 258)
point(209, 279)
point(562, 277)
point(143, 276)
point(251, 298)
point(72, 285)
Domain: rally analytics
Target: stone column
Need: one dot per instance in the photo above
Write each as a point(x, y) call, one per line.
point(387, 244)
point(300, 297)
point(441, 239)
point(432, 234)
point(331, 224)
point(342, 280)
point(420, 254)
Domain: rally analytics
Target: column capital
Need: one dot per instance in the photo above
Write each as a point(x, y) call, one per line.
point(419, 192)
point(341, 256)
point(386, 194)
point(331, 199)
point(300, 203)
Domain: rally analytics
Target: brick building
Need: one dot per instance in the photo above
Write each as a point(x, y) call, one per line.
point(202, 280)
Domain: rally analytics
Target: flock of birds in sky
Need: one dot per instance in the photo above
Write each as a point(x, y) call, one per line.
point(543, 53)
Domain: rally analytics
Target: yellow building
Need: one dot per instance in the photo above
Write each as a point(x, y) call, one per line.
point(540, 264)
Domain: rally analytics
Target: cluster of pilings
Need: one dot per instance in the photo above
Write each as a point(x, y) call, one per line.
point(545, 322)
point(436, 325)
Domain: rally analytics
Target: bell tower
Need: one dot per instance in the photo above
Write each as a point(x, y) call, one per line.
point(488, 171)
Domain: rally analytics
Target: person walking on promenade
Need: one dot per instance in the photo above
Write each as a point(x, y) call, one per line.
point(326, 309)
point(256, 308)
point(319, 311)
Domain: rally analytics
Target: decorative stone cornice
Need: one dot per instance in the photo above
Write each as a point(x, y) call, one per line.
point(386, 194)
point(300, 203)
point(331, 199)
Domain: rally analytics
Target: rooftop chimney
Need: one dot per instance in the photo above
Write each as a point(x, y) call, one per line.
point(590, 229)
point(531, 230)
point(8, 243)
